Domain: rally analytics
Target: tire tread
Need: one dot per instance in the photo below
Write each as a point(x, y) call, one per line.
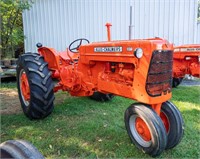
point(19, 149)
point(40, 83)
point(158, 127)
point(176, 134)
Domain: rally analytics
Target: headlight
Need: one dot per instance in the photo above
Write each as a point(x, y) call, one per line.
point(138, 53)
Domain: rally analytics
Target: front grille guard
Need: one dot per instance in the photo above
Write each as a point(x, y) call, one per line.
point(159, 78)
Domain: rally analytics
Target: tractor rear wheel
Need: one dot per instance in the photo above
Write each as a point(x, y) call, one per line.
point(98, 96)
point(35, 86)
point(145, 129)
point(19, 149)
point(173, 122)
point(176, 82)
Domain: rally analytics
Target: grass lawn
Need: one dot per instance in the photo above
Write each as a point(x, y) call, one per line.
point(80, 127)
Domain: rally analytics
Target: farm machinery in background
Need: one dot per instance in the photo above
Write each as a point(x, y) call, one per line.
point(8, 69)
point(137, 69)
point(186, 61)
point(8, 66)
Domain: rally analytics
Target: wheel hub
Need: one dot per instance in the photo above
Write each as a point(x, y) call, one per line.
point(165, 121)
point(24, 86)
point(142, 129)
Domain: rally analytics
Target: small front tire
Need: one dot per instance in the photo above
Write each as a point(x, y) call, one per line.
point(145, 129)
point(173, 122)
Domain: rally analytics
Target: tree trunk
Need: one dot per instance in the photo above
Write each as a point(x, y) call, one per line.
point(0, 38)
point(8, 48)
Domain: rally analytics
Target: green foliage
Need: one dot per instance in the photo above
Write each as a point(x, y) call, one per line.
point(83, 128)
point(8, 85)
point(11, 25)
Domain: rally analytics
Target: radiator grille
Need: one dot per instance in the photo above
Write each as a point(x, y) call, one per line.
point(159, 77)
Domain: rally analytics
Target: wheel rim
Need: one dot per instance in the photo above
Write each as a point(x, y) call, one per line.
point(140, 131)
point(165, 121)
point(24, 87)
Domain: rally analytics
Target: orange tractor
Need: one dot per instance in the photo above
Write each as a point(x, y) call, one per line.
point(137, 69)
point(186, 61)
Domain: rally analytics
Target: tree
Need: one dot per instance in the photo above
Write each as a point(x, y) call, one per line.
point(11, 25)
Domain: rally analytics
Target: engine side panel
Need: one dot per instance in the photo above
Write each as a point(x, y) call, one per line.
point(120, 72)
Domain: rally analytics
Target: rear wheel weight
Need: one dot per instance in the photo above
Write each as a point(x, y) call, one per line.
point(37, 100)
point(149, 134)
point(98, 96)
point(175, 129)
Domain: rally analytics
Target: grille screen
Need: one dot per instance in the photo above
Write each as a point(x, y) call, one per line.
point(160, 73)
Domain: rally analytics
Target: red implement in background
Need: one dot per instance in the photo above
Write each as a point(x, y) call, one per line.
point(186, 61)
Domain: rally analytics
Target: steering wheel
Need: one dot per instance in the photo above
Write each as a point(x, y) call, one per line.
point(74, 46)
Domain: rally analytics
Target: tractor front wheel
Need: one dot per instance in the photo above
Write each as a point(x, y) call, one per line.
point(35, 86)
point(173, 122)
point(145, 129)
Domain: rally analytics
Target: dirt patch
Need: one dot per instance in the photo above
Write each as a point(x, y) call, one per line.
point(10, 104)
point(9, 101)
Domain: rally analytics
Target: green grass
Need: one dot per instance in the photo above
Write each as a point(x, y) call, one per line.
point(8, 85)
point(80, 127)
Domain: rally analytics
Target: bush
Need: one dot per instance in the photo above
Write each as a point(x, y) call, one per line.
point(11, 25)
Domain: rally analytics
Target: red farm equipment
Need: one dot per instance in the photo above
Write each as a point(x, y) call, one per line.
point(186, 61)
point(137, 69)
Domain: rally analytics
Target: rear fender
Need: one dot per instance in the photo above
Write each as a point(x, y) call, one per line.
point(50, 56)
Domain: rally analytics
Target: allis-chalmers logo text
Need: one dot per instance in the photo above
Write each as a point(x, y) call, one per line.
point(108, 49)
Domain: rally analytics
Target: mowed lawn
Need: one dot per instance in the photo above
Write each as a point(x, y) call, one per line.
point(81, 127)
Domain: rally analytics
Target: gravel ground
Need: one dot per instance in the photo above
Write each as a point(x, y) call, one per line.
point(190, 82)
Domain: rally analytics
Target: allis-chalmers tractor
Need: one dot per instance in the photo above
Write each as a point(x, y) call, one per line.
point(186, 61)
point(137, 69)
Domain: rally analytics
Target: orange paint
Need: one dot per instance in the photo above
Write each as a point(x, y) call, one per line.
point(186, 61)
point(112, 67)
point(108, 25)
point(165, 121)
point(157, 107)
point(142, 129)
point(25, 87)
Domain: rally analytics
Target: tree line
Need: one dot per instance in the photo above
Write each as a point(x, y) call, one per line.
point(11, 26)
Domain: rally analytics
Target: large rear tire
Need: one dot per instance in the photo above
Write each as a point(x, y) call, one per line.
point(145, 129)
point(173, 122)
point(98, 96)
point(35, 86)
point(19, 149)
